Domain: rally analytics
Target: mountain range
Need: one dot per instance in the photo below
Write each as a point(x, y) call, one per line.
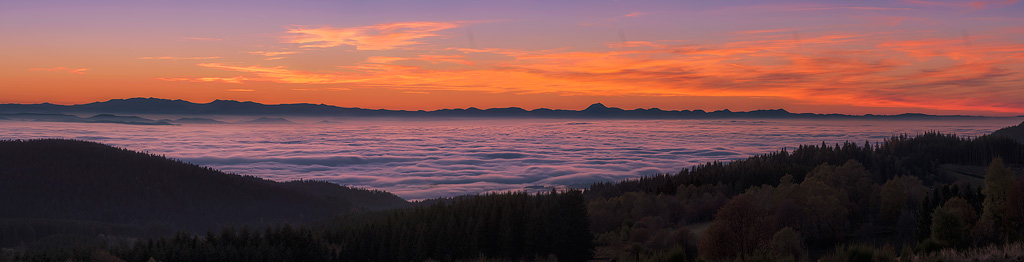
point(157, 106)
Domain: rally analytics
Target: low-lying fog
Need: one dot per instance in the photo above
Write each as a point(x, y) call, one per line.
point(418, 159)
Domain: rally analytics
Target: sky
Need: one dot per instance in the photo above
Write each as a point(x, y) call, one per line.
point(851, 57)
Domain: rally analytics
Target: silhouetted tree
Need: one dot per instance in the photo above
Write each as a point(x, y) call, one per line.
point(998, 180)
point(894, 198)
point(740, 229)
point(787, 244)
point(952, 222)
point(1013, 220)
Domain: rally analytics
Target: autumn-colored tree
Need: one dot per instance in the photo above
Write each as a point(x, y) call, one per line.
point(962, 210)
point(946, 229)
point(851, 178)
point(788, 245)
point(1013, 220)
point(951, 222)
point(894, 198)
point(998, 180)
point(101, 255)
point(740, 228)
point(687, 241)
point(825, 211)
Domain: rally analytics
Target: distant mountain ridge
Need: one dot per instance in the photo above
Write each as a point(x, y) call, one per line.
point(269, 120)
point(101, 118)
point(157, 106)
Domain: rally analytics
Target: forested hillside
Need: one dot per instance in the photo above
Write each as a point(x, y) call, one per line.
point(786, 204)
point(1016, 132)
point(58, 186)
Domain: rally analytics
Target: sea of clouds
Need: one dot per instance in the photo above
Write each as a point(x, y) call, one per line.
point(419, 159)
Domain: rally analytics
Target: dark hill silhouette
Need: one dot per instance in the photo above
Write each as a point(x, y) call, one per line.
point(1016, 132)
point(197, 120)
point(43, 117)
point(56, 179)
point(101, 118)
point(156, 106)
point(109, 117)
point(362, 198)
point(268, 120)
point(132, 120)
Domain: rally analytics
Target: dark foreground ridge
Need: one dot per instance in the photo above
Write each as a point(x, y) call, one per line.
point(95, 184)
point(1016, 132)
point(156, 106)
point(84, 201)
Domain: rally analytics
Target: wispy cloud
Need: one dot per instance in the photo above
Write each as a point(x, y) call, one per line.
point(375, 37)
point(811, 72)
point(270, 53)
point(281, 74)
point(851, 69)
point(241, 90)
point(635, 14)
point(613, 19)
point(980, 4)
point(854, 8)
point(273, 55)
point(203, 38)
point(627, 44)
point(435, 59)
point(178, 58)
point(62, 69)
point(230, 80)
point(766, 31)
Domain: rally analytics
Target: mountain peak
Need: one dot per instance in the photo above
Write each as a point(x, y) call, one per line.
point(596, 107)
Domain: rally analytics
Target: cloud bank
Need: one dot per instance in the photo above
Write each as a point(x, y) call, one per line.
point(427, 159)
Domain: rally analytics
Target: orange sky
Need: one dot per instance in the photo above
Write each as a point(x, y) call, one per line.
point(940, 57)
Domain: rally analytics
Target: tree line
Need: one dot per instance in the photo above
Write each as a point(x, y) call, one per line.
point(502, 226)
point(814, 197)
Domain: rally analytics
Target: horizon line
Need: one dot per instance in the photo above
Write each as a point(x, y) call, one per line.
point(725, 110)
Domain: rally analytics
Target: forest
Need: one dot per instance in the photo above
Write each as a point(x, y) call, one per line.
point(928, 197)
point(897, 195)
point(55, 186)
